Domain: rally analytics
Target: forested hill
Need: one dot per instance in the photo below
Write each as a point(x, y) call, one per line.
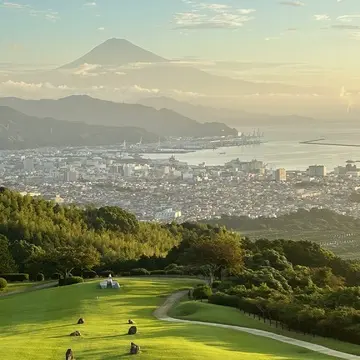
point(302, 220)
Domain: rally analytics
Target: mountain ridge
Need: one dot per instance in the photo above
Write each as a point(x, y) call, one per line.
point(92, 111)
point(115, 52)
point(21, 131)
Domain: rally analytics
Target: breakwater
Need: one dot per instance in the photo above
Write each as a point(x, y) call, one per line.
point(317, 142)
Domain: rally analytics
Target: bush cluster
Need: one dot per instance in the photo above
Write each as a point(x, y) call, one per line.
point(202, 292)
point(40, 277)
point(3, 283)
point(71, 281)
point(15, 277)
point(158, 272)
point(89, 274)
point(139, 272)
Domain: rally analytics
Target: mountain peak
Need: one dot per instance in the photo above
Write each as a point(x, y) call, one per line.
point(115, 52)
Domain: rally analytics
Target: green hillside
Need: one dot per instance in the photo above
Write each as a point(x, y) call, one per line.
point(36, 326)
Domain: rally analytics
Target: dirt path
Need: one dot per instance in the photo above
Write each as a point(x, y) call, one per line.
point(32, 288)
point(161, 314)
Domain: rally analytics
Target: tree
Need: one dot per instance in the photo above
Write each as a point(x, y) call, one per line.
point(219, 252)
point(202, 292)
point(64, 259)
point(7, 263)
point(22, 251)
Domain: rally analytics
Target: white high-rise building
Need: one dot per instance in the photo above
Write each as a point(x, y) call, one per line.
point(28, 164)
point(317, 171)
point(280, 175)
point(70, 176)
point(128, 170)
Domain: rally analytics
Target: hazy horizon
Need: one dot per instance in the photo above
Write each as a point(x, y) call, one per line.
point(284, 57)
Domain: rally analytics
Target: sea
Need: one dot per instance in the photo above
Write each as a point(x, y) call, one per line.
point(282, 147)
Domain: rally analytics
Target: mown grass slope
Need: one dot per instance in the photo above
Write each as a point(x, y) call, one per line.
point(36, 326)
point(203, 311)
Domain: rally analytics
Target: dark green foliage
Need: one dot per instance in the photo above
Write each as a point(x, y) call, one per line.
point(55, 276)
point(216, 284)
point(40, 277)
point(175, 272)
point(34, 226)
point(303, 220)
point(158, 272)
point(3, 283)
point(125, 273)
point(224, 299)
point(106, 273)
point(202, 292)
point(7, 263)
point(139, 272)
point(89, 274)
point(71, 281)
point(111, 218)
point(15, 277)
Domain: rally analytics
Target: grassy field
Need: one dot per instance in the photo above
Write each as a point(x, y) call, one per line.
point(36, 326)
point(202, 311)
point(22, 286)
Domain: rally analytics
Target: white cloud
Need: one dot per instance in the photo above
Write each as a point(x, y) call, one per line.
point(48, 14)
point(292, 3)
point(11, 5)
point(91, 4)
point(86, 70)
point(10, 84)
point(212, 16)
point(322, 17)
point(347, 18)
point(101, 28)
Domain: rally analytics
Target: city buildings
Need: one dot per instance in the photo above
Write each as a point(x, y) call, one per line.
point(170, 190)
point(280, 175)
point(317, 171)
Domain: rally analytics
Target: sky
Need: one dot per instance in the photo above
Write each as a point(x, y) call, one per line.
point(320, 32)
point(306, 43)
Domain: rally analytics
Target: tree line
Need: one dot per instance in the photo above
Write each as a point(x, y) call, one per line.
point(296, 283)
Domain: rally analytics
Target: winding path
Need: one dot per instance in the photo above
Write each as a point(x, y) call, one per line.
point(161, 314)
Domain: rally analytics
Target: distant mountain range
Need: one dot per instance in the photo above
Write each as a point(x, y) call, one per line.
point(92, 111)
point(20, 131)
point(115, 52)
point(227, 116)
point(112, 67)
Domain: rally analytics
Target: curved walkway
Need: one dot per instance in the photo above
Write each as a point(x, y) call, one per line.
point(161, 314)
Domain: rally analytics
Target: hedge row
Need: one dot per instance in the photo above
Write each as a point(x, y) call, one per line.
point(15, 277)
point(71, 281)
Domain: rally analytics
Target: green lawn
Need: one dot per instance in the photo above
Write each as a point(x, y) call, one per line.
point(22, 286)
point(36, 326)
point(202, 311)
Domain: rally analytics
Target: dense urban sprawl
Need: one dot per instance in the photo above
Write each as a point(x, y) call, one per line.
point(166, 190)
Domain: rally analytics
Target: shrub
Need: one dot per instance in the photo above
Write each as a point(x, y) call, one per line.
point(158, 272)
point(175, 272)
point(224, 299)
point(3, 283)
point(89, 274)
point(139, 272)
point(216, 284)
point(202, 292)
point(40, 277)
point(171, 267)
point(15, 277)
point(106, 273)
point(55, 276)
point(71, 281)
point(125, 273)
